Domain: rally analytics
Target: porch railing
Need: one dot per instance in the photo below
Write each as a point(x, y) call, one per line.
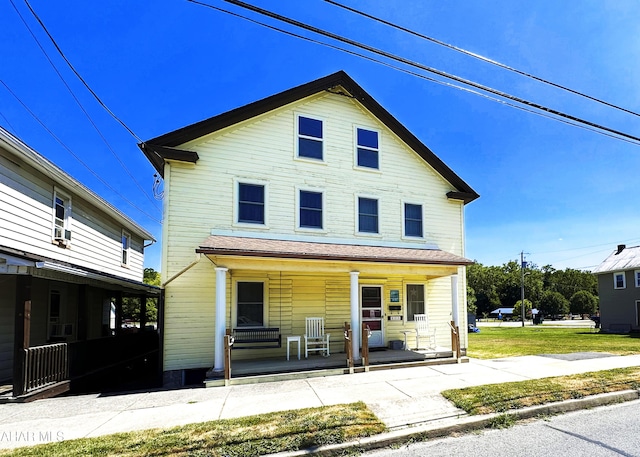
point(44, 365)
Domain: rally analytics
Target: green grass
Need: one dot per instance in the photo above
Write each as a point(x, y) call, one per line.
point(247, 436)
point(499, 398)
point(497, 342)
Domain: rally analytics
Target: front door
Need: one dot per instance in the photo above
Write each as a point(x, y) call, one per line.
point(371, 312)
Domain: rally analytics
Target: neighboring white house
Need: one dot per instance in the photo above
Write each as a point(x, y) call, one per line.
point(65, 255)
point(312, 202)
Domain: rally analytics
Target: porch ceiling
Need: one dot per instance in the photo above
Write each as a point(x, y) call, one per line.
point(219, 245)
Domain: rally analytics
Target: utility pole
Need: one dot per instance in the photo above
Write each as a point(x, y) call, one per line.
point(522, 266)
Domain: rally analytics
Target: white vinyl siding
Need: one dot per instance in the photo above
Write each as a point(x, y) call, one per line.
point(26, 223)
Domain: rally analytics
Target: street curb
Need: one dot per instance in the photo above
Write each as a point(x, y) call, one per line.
point(463, 424)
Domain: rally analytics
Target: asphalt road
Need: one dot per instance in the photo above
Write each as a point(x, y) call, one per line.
point(606, 431)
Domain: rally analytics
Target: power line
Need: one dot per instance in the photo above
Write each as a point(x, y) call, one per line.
point(479, 57)
point(75, 155)
point(417, 65)
point(111, 113)
point(413, 73)
point(88, 116)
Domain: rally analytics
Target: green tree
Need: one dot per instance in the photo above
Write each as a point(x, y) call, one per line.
point(583, 302)
point(517, 309)
point(471, 300)
point(151, 277)
point(553, 304)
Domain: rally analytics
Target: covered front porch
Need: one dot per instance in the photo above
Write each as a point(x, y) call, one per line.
point(280, 369)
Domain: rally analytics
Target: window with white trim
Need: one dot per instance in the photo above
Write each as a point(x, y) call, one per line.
point(126, 246)
point(310, 207)
point(367, 151)
point(619, 280)
point(367, 215)
point(413, 220)
point(310, 134)
point(415, 300)
point(251, 203)
point(61, 218)
point(250, 304)
point(637, 277)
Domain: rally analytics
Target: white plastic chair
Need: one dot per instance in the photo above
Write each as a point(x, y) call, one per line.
point(314, 338)
point(423, 331)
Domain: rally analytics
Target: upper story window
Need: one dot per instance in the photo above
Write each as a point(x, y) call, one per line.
point(251, 203)
point(637, 277)
point(619, 281)
point(413, 220)
point(310, 144)
point(367, 152)
point(126, 245)
point(61, 218)
point(311, 214)
point(367, 215)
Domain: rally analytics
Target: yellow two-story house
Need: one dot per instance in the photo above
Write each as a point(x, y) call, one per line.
point(312, 202)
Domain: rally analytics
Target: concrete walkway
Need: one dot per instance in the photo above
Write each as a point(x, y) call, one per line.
point(399, 397)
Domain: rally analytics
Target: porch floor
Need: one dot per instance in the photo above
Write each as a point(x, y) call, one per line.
point(279, 368)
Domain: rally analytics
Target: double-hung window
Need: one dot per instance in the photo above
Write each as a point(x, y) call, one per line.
point(637, 277)
point(415, 300)
point(61, 218)
point(619, 281)
point(310, 143)
point(126, 245)
point(367, 215)
point(367, 152)
point(413, 220)
point(250, 308)
point(310, 209)
point(251, 203)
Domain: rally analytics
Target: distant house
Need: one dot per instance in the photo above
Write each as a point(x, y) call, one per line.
point(66, 257)
point(619, 290)
point(314, 202)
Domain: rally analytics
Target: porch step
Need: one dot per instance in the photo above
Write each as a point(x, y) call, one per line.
point(51, 390)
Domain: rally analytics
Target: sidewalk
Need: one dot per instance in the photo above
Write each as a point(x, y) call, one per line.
point(401, 398)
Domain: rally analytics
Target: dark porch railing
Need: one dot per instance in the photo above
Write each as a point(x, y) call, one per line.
point(43, 366)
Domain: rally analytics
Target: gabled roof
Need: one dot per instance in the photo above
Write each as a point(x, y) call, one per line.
point(621, 259)
point(165, 146)
point(17, 148)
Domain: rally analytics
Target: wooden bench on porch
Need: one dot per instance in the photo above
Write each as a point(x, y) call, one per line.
point(256, 338)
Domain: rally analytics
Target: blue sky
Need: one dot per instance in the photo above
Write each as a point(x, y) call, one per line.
point(562, 194)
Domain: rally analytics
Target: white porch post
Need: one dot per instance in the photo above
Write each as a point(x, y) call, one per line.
point(221, 314)
point(355, 315)
point(454, 299)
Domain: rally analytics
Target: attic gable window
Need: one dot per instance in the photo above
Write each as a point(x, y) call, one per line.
point(310, 142)
point(251, 203)
point(367, 151)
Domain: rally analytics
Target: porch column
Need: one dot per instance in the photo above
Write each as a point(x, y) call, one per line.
point(22, 331)
point(454, 299)
point(221, 313)
point(355, 315)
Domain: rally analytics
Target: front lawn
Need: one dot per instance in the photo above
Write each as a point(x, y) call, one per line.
point(247, 436)
point(497, 342)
